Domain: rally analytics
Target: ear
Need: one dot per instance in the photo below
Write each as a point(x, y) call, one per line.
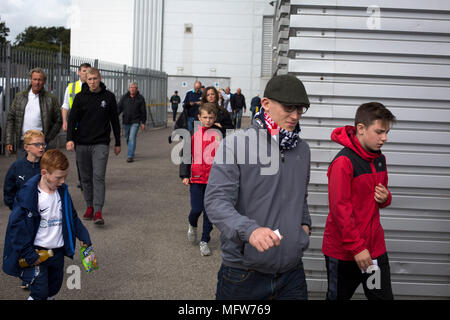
point(360, 129)
point(44, 172)
point(265, 103)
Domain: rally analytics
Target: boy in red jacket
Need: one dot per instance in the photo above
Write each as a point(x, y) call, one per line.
point(204, 144)
point(353, 242)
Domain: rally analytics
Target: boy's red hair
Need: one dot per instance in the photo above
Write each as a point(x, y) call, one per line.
point(53, 160)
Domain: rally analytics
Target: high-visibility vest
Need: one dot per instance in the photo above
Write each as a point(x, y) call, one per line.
point(73, 93)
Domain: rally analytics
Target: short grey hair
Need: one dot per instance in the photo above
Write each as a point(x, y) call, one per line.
point(133, 83)
point(38, 70)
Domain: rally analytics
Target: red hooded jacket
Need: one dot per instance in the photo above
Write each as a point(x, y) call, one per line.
point(353, 222)
point(205, 142)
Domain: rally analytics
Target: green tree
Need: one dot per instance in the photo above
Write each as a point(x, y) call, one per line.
point(44, 38)
point(4, 32)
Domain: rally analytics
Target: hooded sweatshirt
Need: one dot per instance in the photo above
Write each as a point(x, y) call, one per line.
point(204, 143)
point(353, 222)
point(91, 117)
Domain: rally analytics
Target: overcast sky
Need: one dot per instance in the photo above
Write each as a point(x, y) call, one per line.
point(20, 14)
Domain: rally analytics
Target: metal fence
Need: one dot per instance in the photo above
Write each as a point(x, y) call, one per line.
point(61, 69)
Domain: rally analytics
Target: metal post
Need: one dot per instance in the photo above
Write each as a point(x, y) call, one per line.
point(7, 95)
point(59, 86)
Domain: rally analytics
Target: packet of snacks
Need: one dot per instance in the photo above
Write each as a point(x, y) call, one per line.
point(88, 259)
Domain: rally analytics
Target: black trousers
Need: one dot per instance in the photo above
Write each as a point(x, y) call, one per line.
point(344, 277)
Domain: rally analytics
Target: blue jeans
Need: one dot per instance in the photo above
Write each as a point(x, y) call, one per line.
point(240, 284)
point(237, 116)
point(197, 191)
point(190, 124)
point(130, 132)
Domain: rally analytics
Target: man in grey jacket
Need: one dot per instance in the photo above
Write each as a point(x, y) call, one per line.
point(260, 204)
point(34, 108)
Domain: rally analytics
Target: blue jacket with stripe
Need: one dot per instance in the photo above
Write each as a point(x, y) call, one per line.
point(24, 223)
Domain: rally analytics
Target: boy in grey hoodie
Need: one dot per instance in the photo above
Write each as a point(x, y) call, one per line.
point(260, 204)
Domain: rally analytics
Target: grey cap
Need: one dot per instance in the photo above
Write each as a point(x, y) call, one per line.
point(286, 89)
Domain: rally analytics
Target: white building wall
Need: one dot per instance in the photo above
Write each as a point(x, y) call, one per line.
point(103, 29)
point(226, 41)
point(226, 38)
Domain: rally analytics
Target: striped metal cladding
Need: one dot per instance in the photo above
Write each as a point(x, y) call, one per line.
point(398, 53)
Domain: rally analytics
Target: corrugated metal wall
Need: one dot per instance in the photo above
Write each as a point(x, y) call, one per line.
point(398, 53)
point(147, 37)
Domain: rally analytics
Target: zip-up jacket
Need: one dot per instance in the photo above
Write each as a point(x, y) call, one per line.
point(50, 116)
point(238, 101)
point(24, 222)
point(204, 143)
point(192, 96)
point(134, 109)
point(353, 222)
point(19, 173)
point(242, 196)
point(91, 117)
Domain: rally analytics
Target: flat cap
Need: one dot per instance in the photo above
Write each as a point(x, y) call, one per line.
point(286, 89)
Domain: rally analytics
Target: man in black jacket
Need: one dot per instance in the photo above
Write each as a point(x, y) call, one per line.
point(237, 104)
point(94, 111)
point(132, 104)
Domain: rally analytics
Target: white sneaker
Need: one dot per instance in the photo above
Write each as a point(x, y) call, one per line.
point(204, 249)
point(192, 234)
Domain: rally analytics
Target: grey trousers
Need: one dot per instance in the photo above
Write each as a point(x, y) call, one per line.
point(92, 161)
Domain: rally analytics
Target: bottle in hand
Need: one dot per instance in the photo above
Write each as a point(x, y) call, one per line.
point(43, 256)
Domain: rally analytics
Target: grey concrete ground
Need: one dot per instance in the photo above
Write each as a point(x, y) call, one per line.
point(142, 249)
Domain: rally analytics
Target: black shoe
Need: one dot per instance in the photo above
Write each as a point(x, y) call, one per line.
point(130, 160)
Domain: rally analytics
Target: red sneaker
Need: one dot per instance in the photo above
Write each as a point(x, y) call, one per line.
point(89, 213)
point(98, 218)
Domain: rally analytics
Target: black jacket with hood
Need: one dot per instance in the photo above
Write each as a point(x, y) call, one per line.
point(91, 117)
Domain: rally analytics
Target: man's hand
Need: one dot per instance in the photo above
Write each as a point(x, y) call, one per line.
point(9, 148)
point(70, 146)
point(263, 239)
point(381, 194)
point(64, 126)
point(363, 260)
point(142, 127)
point(306, 228)
point(117, 150)
point(186, 181)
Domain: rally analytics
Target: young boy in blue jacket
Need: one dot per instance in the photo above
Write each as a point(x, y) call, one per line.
point(43, 217)
point(23, 169)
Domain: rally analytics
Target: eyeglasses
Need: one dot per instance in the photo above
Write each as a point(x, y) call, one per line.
point(301, 109)
point(38, 144)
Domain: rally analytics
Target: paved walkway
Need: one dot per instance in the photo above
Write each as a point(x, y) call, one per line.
point(142, 248)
